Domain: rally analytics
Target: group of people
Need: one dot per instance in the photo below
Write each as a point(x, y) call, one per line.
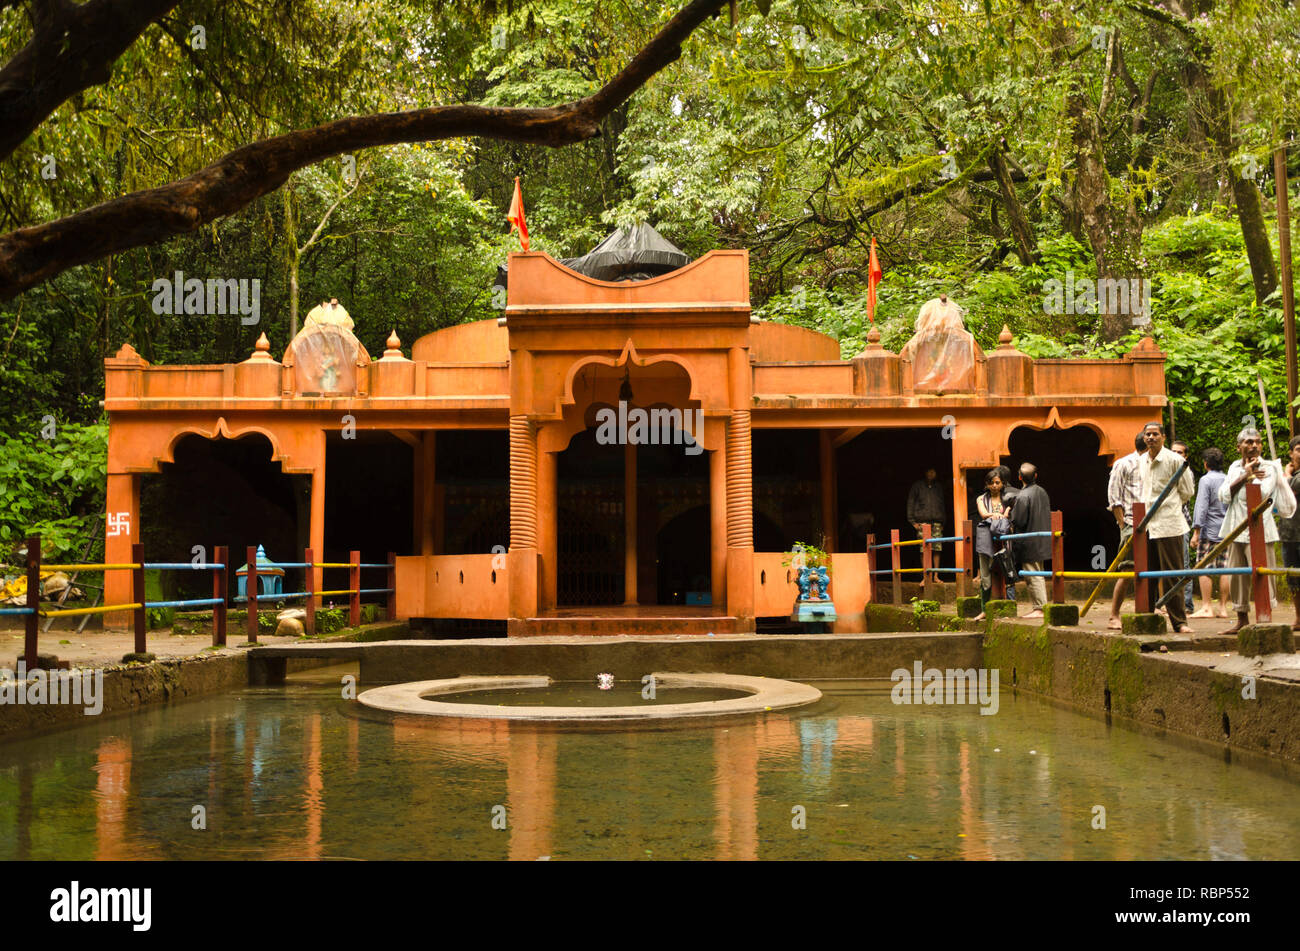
point(1220, 505)
point(1173, 532)
point(1002, 509)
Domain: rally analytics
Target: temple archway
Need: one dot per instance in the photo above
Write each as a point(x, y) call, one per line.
point(247, 499)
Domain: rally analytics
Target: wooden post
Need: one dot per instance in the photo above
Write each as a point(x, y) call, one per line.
point(309, 585)
point(1058, 557)
point(629, 523)
point(896, 562)
point(1258, 557)
point(391, 607)
point(962, 559)
point(871, 568)
point(354, 585)
point(1284, 273)
point(250, 588)
point(927, 559)
point(137, 595)
point(1141, 562)
point(220, 582)
point(33, 601)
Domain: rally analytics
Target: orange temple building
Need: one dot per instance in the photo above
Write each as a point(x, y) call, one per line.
point(479, 458)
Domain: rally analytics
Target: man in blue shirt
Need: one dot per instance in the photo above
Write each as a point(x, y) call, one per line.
point(1207, 524)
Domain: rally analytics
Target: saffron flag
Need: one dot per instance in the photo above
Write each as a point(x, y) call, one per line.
point(874, 274)
point(516, 215)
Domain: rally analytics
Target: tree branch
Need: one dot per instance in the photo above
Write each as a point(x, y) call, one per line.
point(72, 48)
point(35, 254)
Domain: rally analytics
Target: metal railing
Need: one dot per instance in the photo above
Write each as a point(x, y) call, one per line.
point(139, 605)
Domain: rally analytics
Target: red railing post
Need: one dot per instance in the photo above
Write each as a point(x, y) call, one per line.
point(927, 559)
point(250, 589)
point(220, 582)
point(1258, 558)
point(896, 561)
point(309, 585)
point(1141, 562)
point(137, 595)
point(33, 601)
point(871, 568)
point(1058, 557)
point(391, 606)
point(354, 585)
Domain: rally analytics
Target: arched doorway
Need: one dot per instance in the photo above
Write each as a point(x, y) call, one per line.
point(632, 493)
point(1075, 478)
point(246, 499)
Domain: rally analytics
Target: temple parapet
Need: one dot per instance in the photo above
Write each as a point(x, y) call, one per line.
point(1006, 372)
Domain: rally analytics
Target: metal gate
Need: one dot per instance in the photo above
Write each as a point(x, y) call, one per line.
point(589, 541)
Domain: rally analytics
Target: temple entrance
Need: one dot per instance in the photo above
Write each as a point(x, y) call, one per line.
point(589, 523)
point(1074, 475)
point(670, 559)
point(247, 499)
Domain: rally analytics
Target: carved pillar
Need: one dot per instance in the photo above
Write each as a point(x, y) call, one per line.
point(523, 518)
point(740, 520)
point(523, 483)
point(718, 514)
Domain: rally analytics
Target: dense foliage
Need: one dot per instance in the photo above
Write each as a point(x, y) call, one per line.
point(990, 147)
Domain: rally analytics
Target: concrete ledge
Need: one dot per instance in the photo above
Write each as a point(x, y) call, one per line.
point(419, 699)
point(794, 656)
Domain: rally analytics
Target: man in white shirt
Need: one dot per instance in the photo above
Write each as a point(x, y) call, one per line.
point(1166, 529)
point(1124, 488)
point(1249, 468)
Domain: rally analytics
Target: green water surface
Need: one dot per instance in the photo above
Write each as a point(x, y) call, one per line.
point(298, 772)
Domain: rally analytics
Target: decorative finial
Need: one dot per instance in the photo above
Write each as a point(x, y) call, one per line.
point(873, 338)
point(261, 349)
point(1005, 338)
point(394, 347)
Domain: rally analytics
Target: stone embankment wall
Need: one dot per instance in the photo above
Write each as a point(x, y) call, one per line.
point(1130, 677)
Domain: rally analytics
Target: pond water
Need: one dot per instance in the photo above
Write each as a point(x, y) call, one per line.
point(296, 772)
point(568, 694)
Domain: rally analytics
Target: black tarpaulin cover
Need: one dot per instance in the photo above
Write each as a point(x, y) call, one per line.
point(629, 254)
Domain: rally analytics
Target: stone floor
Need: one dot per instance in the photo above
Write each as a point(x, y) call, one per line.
point(100, 648)
point(105, 648)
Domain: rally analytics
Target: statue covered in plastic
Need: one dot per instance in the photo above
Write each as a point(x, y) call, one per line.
point(942, 351)
point(325, 354)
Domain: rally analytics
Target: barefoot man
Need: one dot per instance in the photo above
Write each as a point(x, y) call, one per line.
point(1249, 468)
point(1167, 529)
point(1124, 489)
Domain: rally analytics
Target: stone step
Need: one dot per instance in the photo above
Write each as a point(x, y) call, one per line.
point(608, 626)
